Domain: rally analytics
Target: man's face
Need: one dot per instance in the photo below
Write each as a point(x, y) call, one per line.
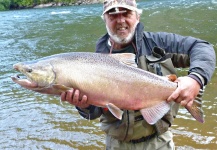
point(121, 26)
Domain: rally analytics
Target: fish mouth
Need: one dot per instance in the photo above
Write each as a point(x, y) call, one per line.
point(24, 81)
point(20, 76)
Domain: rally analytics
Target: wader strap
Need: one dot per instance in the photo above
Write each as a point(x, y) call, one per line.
point(166, 121)
point(143, 139)
point(138, 118)
point(158, 55)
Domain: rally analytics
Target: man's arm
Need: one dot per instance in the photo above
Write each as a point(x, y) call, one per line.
point(197, 54)
point(191, 52)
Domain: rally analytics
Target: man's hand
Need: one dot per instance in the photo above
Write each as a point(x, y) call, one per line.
point(73, 97)
point(186, 92)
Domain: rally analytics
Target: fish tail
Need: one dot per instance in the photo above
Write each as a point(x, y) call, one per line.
point(196, 110)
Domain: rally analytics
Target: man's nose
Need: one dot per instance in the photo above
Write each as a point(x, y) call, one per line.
point(120, 18)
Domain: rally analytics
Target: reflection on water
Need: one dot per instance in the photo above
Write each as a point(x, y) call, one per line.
point(34, 121)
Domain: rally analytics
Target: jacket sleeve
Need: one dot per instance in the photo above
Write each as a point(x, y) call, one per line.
point(92, 112)
point(197, 54)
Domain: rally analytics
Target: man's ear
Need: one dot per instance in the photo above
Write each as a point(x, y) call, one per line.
point(138, 17)
point(103, 17)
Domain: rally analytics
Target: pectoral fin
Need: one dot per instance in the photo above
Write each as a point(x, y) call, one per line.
point(153, 114)
point(60, 88)
point(117, 112)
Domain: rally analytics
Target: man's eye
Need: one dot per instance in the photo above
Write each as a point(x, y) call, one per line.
point(111, 16)
point(126, 14)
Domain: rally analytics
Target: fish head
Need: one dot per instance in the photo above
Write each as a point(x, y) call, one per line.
point(36, 74)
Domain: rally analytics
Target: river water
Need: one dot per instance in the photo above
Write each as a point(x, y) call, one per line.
point(31, 120)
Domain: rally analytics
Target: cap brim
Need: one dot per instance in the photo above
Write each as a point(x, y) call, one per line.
point(117, 12)
point(122, 6)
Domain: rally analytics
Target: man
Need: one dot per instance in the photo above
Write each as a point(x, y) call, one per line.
point(157, 53)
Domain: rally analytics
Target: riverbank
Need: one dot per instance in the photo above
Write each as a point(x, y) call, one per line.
point(79, 2)
point(28, 4)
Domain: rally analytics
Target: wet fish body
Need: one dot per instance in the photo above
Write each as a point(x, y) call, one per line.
point(108, 80)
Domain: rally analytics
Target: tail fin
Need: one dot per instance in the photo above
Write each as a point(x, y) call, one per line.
point(196, 109)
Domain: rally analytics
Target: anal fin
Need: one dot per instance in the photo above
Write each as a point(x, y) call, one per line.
point(155, 113)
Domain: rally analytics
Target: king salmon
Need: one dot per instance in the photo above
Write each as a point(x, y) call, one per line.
point(109, 80)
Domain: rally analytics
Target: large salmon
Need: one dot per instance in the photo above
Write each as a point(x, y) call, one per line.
point(108, 80)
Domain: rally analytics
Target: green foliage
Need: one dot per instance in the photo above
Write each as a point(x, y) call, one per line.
point(18, 4)
point(24, 3)
point(65, 1)
point(5, 4)
point(2, 7)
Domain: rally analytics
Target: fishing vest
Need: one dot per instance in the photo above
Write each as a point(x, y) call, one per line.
point(160, 63)
point(132, 125)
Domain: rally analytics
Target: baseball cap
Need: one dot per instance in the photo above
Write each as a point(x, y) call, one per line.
point(115, 4)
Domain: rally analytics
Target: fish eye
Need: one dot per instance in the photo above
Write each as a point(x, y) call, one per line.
point(29, 70)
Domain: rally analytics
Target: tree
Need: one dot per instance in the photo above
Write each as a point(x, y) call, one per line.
point(5, 4)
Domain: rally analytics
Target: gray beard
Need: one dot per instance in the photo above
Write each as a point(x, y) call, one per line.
point(119, 40)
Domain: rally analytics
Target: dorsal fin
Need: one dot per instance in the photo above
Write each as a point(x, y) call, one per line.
point(125, 58)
